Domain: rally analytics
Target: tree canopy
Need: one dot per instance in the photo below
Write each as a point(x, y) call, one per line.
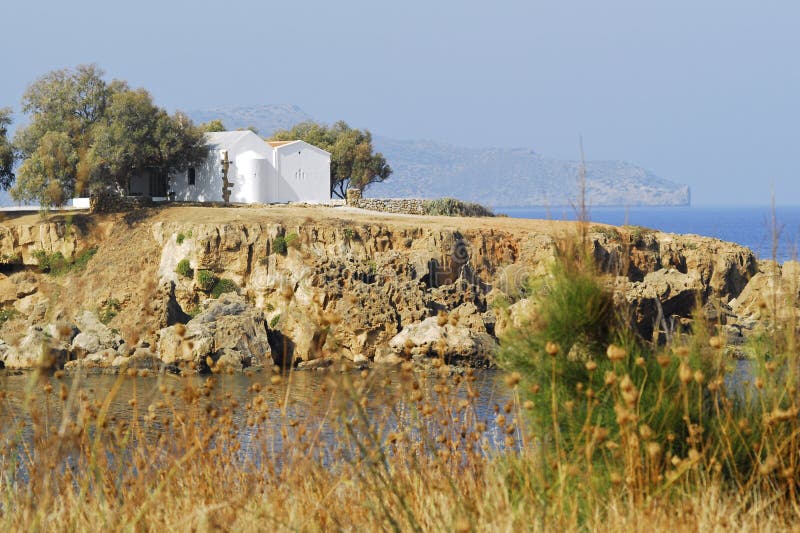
point(87, 134)
point(213, 126)
point(134, 135)
point(354, 163)
point(7, 153)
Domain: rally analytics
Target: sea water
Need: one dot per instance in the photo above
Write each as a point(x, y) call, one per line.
point(749, 226)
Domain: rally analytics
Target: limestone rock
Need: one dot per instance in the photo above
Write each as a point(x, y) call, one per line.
point(775, 289)
point(229, 331)
point(94, 336)
point(517, 315)
point(664, 293)
point(16, 286)
point(429, 338)
point(35, 349)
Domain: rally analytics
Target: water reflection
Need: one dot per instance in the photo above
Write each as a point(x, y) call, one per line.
point(317, 406)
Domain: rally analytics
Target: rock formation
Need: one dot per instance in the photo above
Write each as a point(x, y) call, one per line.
point(291, 284)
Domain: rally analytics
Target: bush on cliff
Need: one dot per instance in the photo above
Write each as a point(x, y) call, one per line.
point(281, 243)
point(222, 286)
point(206, 280)
point(184, 268)
point(455, 208)
point(56, 264)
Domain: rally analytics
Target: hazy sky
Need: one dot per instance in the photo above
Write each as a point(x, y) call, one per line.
point(703, 92)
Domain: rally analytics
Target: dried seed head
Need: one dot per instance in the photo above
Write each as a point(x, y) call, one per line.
point(512, 380)
point(616, 353)
point(551, 348)
point(685, 373)
point(599, 433)
point(715, 342)
point(591, 366)
point(629, 392)
point(682, 351)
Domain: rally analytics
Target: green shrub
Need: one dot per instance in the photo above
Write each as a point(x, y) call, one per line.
point(56, 264)
point(222, 286)
point(206, 280)
point(180, 238)
point(274, 321)
point(609, 232)
point(184, 269)
point(7, 313)
point(638, 233)
point(279, 245)
point(83, 258)
point(9, 259)
point(604, 401)
point(108, 310)
point(349, 234)
point(455, 208)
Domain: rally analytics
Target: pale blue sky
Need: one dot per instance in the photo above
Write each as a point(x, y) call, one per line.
point(703, 92)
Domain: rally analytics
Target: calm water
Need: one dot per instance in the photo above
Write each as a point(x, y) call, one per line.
point(303, 397)
point(748, 226)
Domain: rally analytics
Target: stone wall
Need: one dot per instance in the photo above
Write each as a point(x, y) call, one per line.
point(408, 206)
point(114, 203)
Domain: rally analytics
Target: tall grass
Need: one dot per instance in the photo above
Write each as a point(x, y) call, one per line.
point(618, 419)
point(599, 430)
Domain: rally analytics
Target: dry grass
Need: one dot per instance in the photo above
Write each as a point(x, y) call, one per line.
point(617, 436)
point(374, 451)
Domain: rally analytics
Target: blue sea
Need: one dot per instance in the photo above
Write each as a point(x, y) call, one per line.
point(748, 226)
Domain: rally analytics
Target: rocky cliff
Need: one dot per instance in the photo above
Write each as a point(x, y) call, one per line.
point(204, 287)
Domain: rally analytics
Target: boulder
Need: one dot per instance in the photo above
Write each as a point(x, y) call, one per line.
point(660, 295)
point(94, 336)
point(515, 316)
point(774, 291)
point(100, 360)
point(229, 331)
point(16, 286)
point(432, 338)
point(35, 349)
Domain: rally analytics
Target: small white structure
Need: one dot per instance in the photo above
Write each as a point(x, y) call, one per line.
point(260, 171)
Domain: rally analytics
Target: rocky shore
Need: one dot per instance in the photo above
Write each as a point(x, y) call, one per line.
point(195, 289)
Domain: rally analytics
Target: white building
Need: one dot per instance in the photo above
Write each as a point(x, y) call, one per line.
point(260, 171)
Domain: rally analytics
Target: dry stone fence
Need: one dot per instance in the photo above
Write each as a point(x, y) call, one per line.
point(408, 206)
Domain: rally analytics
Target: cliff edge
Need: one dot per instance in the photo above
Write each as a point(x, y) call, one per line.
point(205, 287)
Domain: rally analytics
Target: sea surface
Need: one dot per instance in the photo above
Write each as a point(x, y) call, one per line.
point(748, 226)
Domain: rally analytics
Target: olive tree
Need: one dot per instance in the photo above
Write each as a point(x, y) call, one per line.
point(87, 134)
point(354, 163)
point(7, 153)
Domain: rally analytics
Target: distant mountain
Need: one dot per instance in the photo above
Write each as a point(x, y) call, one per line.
point(509, 177)
point(267, 119)
point(515, 177)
